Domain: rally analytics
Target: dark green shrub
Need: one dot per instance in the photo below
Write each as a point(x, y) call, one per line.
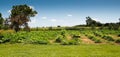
point(71, 42)
point(117, 41)
point(59, 39)
point(118, 35)
point(109, 38)
point(97, 34)
point(76, 36)
point(65, 42)
point(74, 42)
point(96, 40)
point(41, 42)
point(63, 33)
point(38, 41)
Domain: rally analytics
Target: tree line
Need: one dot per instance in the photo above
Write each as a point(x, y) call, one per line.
point(92, 23)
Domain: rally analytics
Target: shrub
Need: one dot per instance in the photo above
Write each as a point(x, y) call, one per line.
point(71, 42)
point(65, 42)
point(38, 41)
point(96, 40)
point(63, 33)
point(76, 36)
point(41, 42)
point(117, 41)
point(59, 39)
point(97, 34)
point(118, 35)
point(109, 38)
point(74, 42)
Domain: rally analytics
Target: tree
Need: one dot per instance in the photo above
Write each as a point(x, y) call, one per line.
point(88, 21)
point(91, 22)
point(20, 16)
point(1, 21)
point(6, 23)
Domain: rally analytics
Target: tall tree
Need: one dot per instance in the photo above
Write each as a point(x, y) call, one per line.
point(1, 21)
point(20, 15)
point(90, 21)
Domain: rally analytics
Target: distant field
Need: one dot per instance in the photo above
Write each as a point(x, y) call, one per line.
point(32, 50)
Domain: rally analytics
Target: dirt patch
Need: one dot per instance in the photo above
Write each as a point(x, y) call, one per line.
point(85, 40)
point(69, 37)
point(51, 41)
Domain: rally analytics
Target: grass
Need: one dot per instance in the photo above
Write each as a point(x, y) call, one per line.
point(83, 50)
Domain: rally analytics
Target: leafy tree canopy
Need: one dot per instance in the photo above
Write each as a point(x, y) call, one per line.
point(20, 15)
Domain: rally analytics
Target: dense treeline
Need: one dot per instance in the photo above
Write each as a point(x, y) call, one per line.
point(93, 24)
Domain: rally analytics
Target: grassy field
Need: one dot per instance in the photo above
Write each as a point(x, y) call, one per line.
point(90, 43)
point(86, 50)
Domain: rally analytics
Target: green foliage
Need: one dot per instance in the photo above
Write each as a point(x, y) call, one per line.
point(65, 42)
point(96, 33)
point(63, 37)
point(109, 38)
point(96, 40)
point(20, 15)
point(117, 41)
point(39, 41)
point(1, 21)
point(75, 41)
point(63, 33)
point(118, 35)
point(59, 39)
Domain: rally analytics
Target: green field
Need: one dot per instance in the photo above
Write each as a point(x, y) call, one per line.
point(61, 43)
point(32, 50)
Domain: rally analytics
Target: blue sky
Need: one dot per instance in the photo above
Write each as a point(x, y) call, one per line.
point(66, 12)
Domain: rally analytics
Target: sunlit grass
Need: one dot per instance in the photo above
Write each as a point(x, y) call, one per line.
point(31, 50)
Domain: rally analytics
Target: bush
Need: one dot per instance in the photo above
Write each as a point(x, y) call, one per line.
point(97, 34)
point(38, 40)
point(59, 39)
point(118, 35)
point(117, 41)
point(109, 38)
point(71, 42)
point(63, 33)
point(74, 42)
point(64, 42)
point(41, 42)
point(96, 40)
point(76, 36)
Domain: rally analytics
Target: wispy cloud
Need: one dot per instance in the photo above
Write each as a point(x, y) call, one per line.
point(32, 7)
point(53, 20)
point(69, 15)
point(9, 11)
point(44, 17)
point(97, 19)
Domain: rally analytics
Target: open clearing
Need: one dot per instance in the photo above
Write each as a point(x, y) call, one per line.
point(34, 50)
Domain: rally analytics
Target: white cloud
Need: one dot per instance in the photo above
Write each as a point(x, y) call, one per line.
point(9, 11)
point(32, 7)
point(44, 17)
point(97, 19)
point(69, 15)
point(53, 20)
point(33, 21)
